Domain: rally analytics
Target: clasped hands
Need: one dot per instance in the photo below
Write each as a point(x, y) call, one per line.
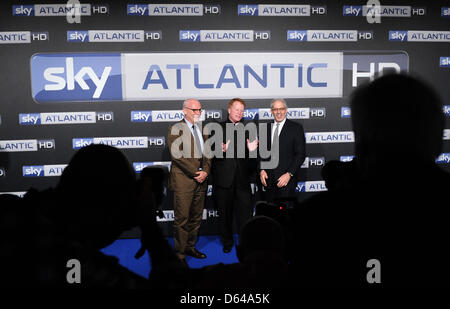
point(201, 176)
point(283, 180)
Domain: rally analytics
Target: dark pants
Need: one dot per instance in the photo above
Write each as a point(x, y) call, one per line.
point(232, 202)
point(188, 212)
point(286, 194)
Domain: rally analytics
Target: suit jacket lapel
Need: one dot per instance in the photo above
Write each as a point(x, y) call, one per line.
point(280, 135)
point(283, 131)
point(191, 137)
point(269, 135)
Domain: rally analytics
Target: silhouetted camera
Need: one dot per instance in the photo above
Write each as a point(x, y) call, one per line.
point(277, 209)
point(280, 211)
point(270, 210)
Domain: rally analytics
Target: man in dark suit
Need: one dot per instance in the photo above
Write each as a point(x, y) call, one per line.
point(231, 181)
point(187, 179)
point(280, 182)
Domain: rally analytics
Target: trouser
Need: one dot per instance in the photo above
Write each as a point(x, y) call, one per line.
point(284, 195)
point(232, 202)
point(188, 212)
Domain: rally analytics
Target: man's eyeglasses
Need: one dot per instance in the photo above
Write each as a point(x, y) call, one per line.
point(195, 109)
point(282, 109)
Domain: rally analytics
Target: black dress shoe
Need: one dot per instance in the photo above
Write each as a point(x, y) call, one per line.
point(195, 253)
point(227, 249)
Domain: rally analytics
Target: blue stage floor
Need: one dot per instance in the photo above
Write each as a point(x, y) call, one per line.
point(125, 249)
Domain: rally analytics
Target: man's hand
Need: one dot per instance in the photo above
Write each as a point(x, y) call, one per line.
point(225, 146)
point(252, 145)
point(263, 176)
point(201, 176)
point(283, 180)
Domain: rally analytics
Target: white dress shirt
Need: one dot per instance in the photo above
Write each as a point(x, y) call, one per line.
point(199, 133)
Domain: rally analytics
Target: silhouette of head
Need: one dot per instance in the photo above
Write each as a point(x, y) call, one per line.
point(393, 115)
point(331, 173)
point(260, 233)
point(97, 189)
point(153, 179)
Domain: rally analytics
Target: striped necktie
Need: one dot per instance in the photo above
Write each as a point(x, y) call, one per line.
point(197, 139)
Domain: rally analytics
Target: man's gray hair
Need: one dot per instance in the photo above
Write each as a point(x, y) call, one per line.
point(280, 100)
point(185, 103)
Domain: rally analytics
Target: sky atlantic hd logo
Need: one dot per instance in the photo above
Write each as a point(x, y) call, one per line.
point(43, 170)
point(328, 35)
point(292, 113)
point(91, 77)
point(383, 10)
point(93, 36)
point(84, 9)
point(216, 35)
point(127, 142)
point(167, 115)
point(445, 11)
point(419, 36)
point(66, 118)
point(172, 9)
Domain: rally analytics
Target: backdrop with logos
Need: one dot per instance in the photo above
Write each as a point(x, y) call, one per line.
point(117, 73)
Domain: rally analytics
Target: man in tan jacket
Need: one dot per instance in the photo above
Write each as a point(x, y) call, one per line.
point(187, 179)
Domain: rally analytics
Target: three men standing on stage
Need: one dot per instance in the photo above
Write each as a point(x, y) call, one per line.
point(231, 168)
